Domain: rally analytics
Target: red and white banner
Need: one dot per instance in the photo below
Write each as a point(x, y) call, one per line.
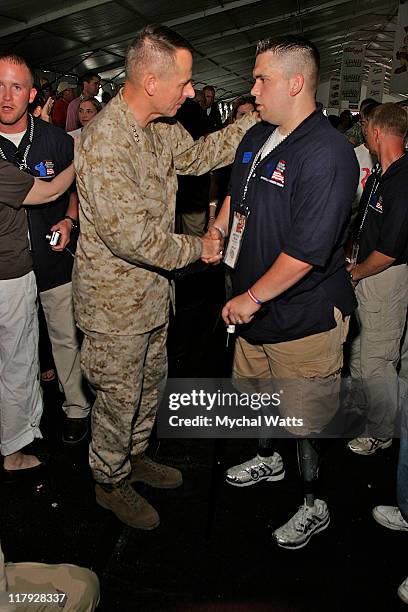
point(399, 70)
point(352, 72)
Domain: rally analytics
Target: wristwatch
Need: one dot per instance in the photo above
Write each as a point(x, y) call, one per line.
point(73, 221)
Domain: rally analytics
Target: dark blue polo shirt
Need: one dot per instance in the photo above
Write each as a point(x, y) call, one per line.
point(51, 152)
point(385, 227)
point(300, 203)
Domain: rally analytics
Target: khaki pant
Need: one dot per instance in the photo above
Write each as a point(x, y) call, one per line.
point(193, 223)
point(307, 370)
point(126, 373)
point(381, 313)
point(59, 314)
point(81, 586)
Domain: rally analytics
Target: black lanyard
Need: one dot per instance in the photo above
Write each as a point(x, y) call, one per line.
point(22, 161)
point(372, 193)
point(257, 160)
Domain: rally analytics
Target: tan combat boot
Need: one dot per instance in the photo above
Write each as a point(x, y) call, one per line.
point(154, 474)
point(130, 507)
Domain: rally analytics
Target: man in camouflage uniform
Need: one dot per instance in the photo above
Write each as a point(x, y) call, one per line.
point(126, 165)
point(79, 585)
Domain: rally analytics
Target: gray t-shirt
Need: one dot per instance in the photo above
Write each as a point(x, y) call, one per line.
point(15, 258)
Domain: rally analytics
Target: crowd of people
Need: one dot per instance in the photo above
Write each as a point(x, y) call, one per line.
point(273, 199)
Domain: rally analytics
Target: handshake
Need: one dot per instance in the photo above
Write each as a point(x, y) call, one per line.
point(212, 246)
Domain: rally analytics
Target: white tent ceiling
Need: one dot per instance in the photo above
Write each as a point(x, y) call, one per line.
point(73, 37)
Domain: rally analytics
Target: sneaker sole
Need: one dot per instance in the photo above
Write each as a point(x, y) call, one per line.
point(403, 595)
point(144, 528)
point(367, 453)
point(379, 519)
point(321, 527)
point(274, 478)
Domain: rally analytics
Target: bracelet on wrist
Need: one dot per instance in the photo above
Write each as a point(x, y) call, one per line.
point(74, 222)
point(254, 298)
point(215, 204)
point(222, 232)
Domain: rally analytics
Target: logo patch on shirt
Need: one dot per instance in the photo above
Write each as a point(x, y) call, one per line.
point(246, 157)
point(378, 207)
point(277, 175)
point(45, 168)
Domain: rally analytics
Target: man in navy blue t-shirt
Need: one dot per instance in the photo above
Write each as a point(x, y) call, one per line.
point(380, 273)
point(293, 182)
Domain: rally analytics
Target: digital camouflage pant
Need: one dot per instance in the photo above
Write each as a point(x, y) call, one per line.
point(126, 373)
point(80, 585)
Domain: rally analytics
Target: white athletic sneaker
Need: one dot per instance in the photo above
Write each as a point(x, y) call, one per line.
point(390, 517)
point(368, 446)
point(307, 521)
point(403, 591)
point(255, 470)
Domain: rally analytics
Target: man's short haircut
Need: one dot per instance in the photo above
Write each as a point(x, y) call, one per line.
point(12, 58)
point(87, 77)
point(302, 55)
point(154, 46)
point(367, 110)
point(366, 101)
point(390, 118)
point(209, 88)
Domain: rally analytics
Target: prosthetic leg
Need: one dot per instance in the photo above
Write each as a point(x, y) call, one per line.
point(308, 453)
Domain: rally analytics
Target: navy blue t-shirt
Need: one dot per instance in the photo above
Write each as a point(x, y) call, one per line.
point(300, 203)
point(51, 152)
point(385, 227)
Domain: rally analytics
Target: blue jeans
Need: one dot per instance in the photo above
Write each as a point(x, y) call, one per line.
point(402, 473)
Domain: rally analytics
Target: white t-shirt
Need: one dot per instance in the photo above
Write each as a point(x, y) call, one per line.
point(14, 138)
point(366, 162)
point(274, 139)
